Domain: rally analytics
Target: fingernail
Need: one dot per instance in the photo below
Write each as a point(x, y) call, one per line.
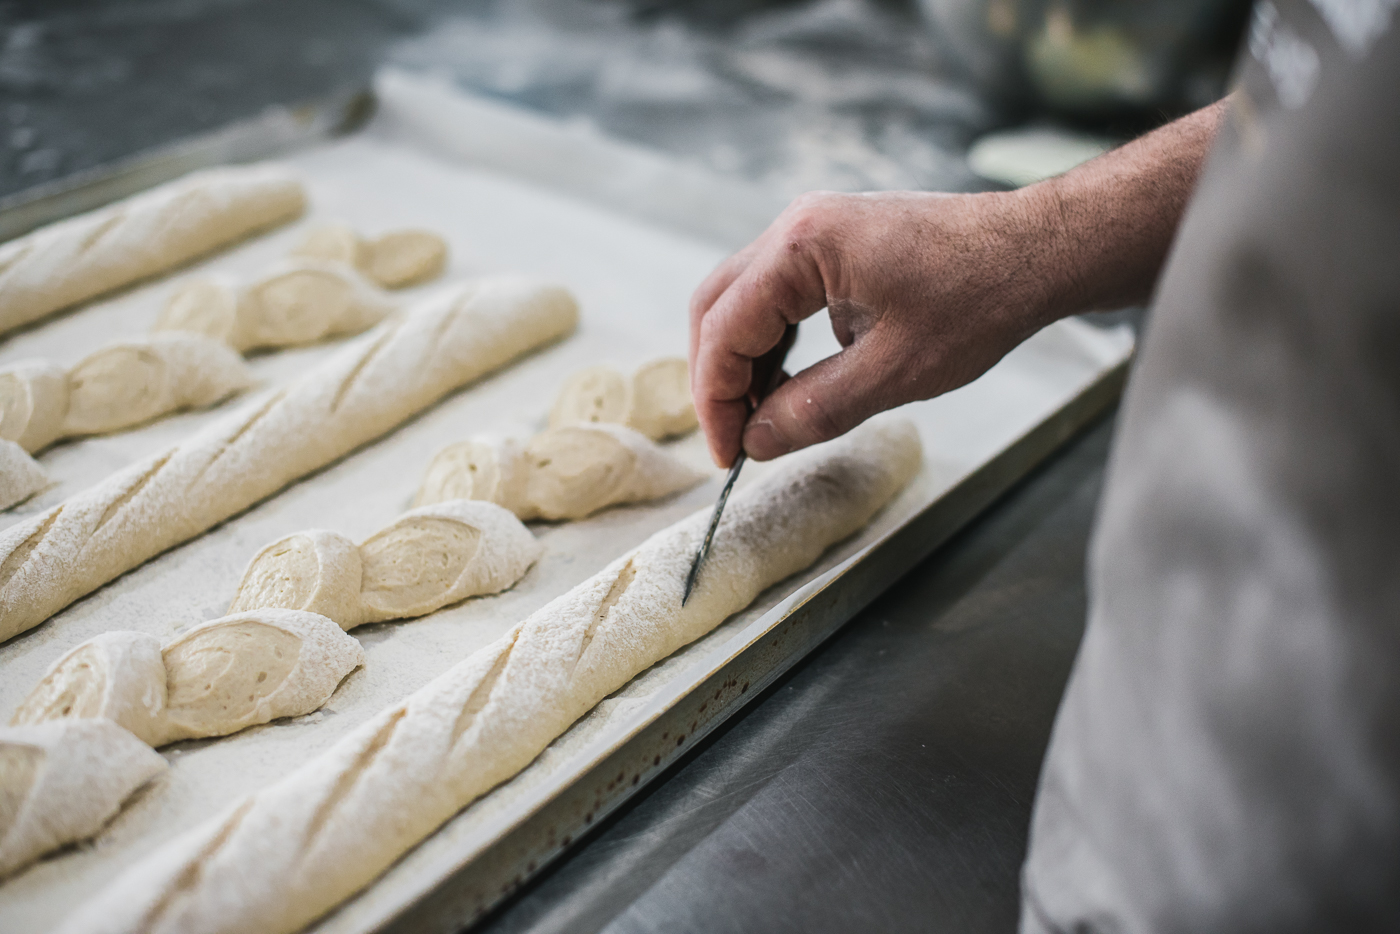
point(763, 443)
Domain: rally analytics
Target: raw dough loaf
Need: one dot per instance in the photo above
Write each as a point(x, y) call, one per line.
point(135, 381)
point(296, 303)
point(358, 394)
point(487, 468)
point(427, 559)
point(33, 403)
point(218, 678)
point(397, 259)
point(117, 676)
point(284, 855)
point(249, 668)
point(74, 260)
point(655, 401)
point(117, 387)
point(661, 403)
point(590, 396)
point(20, 475)
point(62, 782)
point(563, 473)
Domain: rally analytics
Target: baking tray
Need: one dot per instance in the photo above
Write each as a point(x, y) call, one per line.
point(631, 232)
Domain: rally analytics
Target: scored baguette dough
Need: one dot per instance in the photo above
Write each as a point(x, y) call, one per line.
point(20, 475)
point(335, 242)
point(62, 782)
point(359, 393)
point(655, 401)
point(135, 381)
point(661, 403)
point(218, 678)
point(248, 668)
point(33, 402)
point(576, 471)
point(396, 259)
point(427, 559)
point(316, 570)
point(592, 395)
point(401, 258)
point(282, 856)
point(296, 303)
point(563, 473)
point(74, 260)
point(118, 676)
point(487, 468)
point(117, 387)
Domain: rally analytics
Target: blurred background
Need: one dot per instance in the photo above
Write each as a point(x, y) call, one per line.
point(796, 94)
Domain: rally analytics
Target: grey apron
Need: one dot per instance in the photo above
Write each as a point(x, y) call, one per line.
point(1227, 754)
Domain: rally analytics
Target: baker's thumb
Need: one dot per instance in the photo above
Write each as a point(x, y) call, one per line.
point(825, 400)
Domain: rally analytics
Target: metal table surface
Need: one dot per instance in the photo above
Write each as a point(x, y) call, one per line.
point(885, 784)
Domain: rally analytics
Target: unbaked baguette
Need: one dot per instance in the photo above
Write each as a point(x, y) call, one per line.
point(217, 678)
point(83, 257)
point(117, 387)
point(562, 473)
point(283, 856)
point(360, 393)
point(293, 303)
point(426, 559)
point(63, 781)
point(20, 475)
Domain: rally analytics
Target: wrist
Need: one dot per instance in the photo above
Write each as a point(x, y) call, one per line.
point(1047, 249)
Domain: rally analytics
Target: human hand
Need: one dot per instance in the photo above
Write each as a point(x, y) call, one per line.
point(925, 291)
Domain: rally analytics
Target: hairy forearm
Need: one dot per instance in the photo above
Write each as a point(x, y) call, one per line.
point(1110, 222)
point(927, 291)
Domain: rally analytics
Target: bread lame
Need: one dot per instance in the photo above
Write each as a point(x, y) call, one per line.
point(767, 374)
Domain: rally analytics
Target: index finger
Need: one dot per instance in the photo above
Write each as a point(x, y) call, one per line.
point(747, 320)
point(705, 294)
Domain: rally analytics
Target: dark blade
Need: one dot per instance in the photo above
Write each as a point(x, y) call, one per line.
point(714, 524)
point(767, 374)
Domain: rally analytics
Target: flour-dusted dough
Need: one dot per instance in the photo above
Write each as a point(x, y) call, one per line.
point(218, 678)
point(62, 782)
point(655, 400)
point(316, 570)
point(125, 384)
point(438, 555)
point(206, 305)
point(396, 259)
point(661, 403)
point(592, 395)
point(427, 559)
point(117, 387)
point(20, 475)
point(363, 391)
point(306, 302)
point(490, 469)
point(117, 676)
point(563, 473)
point(336, 242)
point(405, 257)
point(296, 303)
point(249, 668)
point(74, 260)
point(33, 403)
point(280, 857)
point(576, 471)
